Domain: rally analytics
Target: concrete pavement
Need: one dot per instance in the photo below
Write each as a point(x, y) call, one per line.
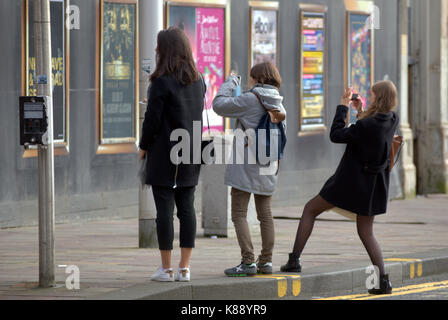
point(413, 236)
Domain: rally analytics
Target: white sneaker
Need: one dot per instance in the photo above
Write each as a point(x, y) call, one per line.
point(164, 275)
point(183, 274)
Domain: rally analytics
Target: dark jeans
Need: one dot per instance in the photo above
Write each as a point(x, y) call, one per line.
point(165, 198)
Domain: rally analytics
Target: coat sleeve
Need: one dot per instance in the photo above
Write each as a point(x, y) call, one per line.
point(339, 133)
point(153, 114)
point(225, 104)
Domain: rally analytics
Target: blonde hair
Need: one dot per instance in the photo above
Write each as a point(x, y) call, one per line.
point(386, 99)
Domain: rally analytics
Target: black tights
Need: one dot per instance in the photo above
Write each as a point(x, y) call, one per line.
point(364, 226)
point(165, 199)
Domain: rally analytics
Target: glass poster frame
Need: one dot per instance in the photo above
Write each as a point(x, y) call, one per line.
point(313, 69)
point(263, 32)
point(212, 53)
point(118, 77)
point(359, 42)
point(60, 70)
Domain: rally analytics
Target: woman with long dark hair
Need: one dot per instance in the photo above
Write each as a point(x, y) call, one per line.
point(361, 182)
point(175, 101)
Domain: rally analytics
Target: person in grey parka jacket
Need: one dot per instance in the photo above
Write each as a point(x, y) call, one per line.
point(247, 178)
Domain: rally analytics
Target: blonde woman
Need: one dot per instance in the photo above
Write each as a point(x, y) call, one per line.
point(361, 181)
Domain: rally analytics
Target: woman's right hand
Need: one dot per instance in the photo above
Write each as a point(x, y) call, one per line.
point(358, 105)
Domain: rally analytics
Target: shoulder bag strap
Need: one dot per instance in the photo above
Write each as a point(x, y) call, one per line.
point(204, 87)
point(259, 99)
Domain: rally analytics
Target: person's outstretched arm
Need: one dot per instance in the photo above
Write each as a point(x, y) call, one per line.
point(339, 133)
point(225, 103)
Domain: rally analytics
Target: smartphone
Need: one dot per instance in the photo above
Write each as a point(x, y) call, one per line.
point(355, 96)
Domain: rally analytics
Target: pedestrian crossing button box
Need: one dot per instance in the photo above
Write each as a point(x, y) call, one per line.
point(33, 120)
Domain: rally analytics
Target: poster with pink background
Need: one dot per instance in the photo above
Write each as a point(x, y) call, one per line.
point(205, 30)
point(210, 58)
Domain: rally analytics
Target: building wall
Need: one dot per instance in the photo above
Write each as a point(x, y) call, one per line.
point(311, 160)
point(92, 186)
point(428, 94)
point(87, 185)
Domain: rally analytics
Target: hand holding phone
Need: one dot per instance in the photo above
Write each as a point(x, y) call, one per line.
point(346, 98)
point(357, 103)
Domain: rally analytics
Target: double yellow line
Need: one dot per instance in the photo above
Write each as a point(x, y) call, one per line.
point(282, 283)
point(415, 269)
point(417, 288)
point(412, 272)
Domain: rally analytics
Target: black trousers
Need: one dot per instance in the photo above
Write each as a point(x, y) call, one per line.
point(165, 198)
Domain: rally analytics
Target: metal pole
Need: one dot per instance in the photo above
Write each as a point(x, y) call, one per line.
point(150, 23)
point(42, 46)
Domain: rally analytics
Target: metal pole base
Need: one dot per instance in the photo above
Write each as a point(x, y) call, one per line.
point(147, 233)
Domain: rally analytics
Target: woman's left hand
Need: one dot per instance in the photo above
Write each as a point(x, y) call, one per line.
point(142, 154)
point(346, 98)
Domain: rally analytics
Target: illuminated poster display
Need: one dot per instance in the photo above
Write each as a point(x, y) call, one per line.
point(263, 36)
point(359, 58)
point(57, 62)
point(312, 99)
point(118, 85)
point(205, 28)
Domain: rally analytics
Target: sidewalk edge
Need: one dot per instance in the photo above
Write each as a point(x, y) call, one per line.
point(280, 286)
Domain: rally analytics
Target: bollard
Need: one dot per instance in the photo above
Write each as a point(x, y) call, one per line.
point(147, 232)
point(216, 201)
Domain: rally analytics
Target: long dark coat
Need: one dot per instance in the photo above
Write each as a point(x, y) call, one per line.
point(171, 106)
point(361, 181)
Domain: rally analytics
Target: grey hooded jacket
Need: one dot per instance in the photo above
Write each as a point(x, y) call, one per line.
point(246, 108)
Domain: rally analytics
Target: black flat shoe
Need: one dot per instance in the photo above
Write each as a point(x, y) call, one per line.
point(293, 264)
point(385, 286)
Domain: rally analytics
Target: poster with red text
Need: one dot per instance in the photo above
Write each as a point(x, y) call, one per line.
point(210, 58)
point(205, 30)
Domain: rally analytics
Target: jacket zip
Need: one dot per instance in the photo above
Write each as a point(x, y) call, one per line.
point(175, 177)
point(175, 174)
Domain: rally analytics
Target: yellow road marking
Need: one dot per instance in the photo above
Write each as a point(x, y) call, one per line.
point(282, 287)
point(296, 287)
point(401, 260)
point(282, 283)
point(277, 275)
point(404, 293)
point(268, 276)
point(416, 288)
point(411, 266)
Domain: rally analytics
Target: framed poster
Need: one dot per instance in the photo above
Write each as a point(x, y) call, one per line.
point(206, 24)
point(312, 74)
point(118, 88)
point(60, 69)
point(358, 64)
point(263, 32)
